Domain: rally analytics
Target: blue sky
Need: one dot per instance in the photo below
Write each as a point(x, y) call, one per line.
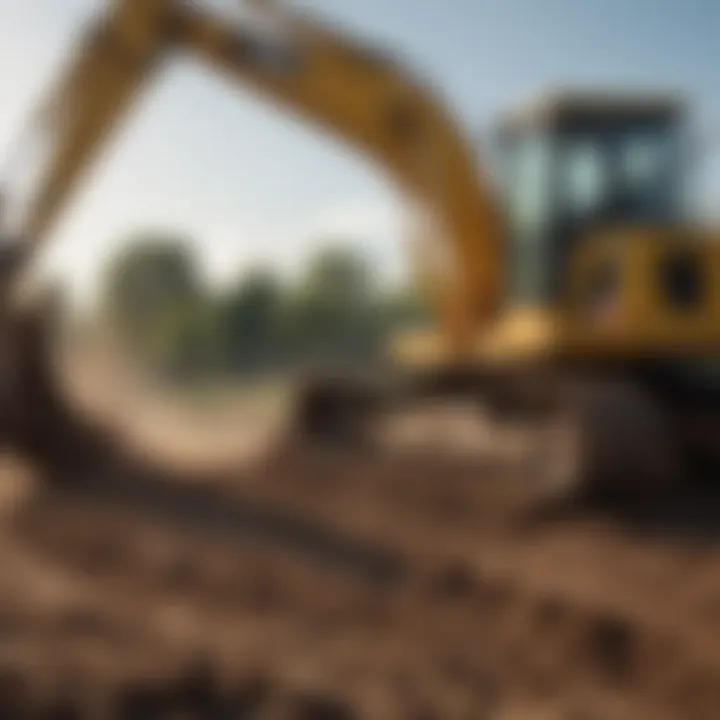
point(251, 185)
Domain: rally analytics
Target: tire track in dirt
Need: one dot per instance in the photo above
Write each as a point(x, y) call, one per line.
point(391, 588)
point(452, 624)
point(240, 519)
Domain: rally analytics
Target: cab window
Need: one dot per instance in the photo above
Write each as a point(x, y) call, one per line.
point(584, 176)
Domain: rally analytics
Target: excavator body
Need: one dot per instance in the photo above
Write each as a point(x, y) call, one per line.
point(602, 256)
point(610, 324)
point(576, 297)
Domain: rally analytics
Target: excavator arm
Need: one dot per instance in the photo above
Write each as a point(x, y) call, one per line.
point(115, 56)
point(328, 78)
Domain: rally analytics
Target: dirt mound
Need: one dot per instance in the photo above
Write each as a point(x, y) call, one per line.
point(310, 584)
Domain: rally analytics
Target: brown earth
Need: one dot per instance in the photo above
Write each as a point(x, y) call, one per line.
point(376, 585)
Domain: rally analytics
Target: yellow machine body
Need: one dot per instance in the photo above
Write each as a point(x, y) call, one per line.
point(516, 278)
point(641, 320)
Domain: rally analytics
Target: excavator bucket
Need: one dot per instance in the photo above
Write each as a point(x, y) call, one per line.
point(36, 419)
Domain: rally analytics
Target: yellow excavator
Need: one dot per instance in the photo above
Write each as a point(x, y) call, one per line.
point(575, 296)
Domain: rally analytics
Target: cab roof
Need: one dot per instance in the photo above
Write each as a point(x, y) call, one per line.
point(578, 106)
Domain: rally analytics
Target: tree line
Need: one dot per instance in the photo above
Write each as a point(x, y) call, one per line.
point(181, 329)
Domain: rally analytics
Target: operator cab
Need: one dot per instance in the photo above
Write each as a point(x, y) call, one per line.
point(574, 164)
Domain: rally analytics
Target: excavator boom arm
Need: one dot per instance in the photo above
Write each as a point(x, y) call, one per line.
point(362, 97)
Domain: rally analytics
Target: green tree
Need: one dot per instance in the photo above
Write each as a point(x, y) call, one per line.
point(335, 311)
point(332, 313)
point(154, 298)
point(249, 329)
point(404, 307)
point(185, 345)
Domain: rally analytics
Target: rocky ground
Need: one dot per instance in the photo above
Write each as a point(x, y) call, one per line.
point(293, 584)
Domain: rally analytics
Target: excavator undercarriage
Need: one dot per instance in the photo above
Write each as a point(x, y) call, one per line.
point(595, 431)
point(593, 434)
